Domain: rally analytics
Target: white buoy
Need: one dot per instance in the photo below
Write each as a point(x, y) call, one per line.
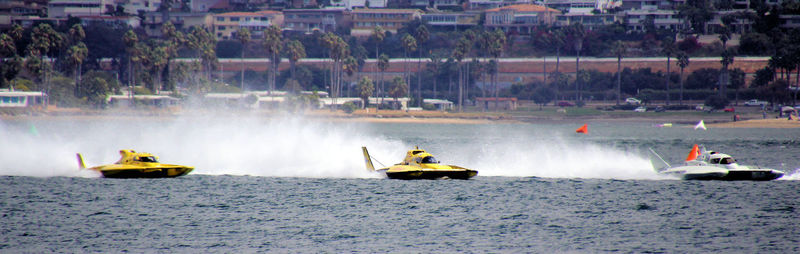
point(700, 125)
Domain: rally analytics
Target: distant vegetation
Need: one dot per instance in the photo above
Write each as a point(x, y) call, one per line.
point(65, 60)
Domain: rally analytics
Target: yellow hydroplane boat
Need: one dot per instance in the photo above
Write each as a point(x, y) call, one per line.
point(137, 165)
point(420, 164)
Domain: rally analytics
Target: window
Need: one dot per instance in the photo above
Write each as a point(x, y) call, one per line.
point(429, 159)
point(146, 159)
point(220, 19)
point(234, 18)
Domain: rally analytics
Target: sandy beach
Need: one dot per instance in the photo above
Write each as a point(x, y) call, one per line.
point(413, 117)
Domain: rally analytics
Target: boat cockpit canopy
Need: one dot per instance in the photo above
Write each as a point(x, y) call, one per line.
point(145, 159)
point(722, 160)
point(429, 159)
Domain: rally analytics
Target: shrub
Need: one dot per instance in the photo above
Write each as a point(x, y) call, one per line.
point(349, 107)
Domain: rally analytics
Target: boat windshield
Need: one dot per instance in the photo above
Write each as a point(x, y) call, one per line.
point(147, 159)
point(723, 161)
point(429, 159)
point(727, 160)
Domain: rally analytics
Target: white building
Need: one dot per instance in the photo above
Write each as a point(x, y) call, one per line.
point(19, 99)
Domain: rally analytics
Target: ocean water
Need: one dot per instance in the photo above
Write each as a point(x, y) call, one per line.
point(295, 185)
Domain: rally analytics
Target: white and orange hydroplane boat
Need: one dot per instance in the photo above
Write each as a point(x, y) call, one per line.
point(702, 164)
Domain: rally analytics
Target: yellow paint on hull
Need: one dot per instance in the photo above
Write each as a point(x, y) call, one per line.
point(138, 165)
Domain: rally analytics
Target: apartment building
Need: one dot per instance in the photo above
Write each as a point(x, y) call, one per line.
point(521, 18)
point(454, 20)
point(181, 20)
point(66, 8)
point(365, 20)
point(311, 20)
point(226, 25)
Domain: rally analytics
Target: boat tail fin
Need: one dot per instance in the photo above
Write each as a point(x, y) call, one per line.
point(659, 164)
point(367, 159)
point(81, 164)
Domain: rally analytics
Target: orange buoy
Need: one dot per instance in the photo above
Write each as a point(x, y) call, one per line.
point(693, 153)
point(583, 129)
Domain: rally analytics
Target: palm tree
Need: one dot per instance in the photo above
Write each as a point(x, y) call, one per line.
point(433, 66)
point(43, 39)
point(349, 67)
point(578, 33)
point(130, 40)
point(76, 33)
point(76, 54)
point(726, 60)
point(399, 88)
point(175, 39)
point(459, 52)
point(557, 42)
point(296, 52)
point(378, 34)
point(365, 89)
point(619, 51)
point(496, 44)
point(409, 45)
point(16, 31)
point(7, 47)
point(272, 43)
point(668, 48)
point(383, 64)
point(243, 35)
point(338, 50)
point(421, 35)
point(683, 62)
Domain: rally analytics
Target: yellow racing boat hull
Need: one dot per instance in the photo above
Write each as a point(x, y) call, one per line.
point(146, 172)
point(432, 174)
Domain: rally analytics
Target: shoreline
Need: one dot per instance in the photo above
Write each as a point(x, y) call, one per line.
point(406, 117)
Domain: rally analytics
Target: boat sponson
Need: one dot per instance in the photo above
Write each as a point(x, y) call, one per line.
point(432, 174)
point(737, 175)
point(147, 172)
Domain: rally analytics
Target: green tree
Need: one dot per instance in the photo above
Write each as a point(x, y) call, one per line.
point(243, 35)
point(697, 13)
point(542, 95)
point(365, 89)
point(8, 50)
point(399, 89)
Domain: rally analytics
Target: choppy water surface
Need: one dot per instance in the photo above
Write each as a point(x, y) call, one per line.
point(298, 186)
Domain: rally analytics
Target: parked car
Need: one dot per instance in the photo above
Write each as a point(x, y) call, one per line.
point(660, 109)
point(700, 107)
point(633, 101)
point(640, 109)
point(755, 102)
point(564, 104)
point(731, 109)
